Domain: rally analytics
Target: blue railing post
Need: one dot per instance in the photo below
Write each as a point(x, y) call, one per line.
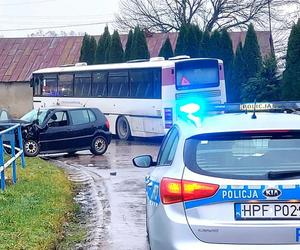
point(13, 154)
point(21, 146)
point(2, 163)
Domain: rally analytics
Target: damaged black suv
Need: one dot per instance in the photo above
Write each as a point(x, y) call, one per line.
point(57, 130)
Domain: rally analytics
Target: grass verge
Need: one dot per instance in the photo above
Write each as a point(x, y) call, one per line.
point(33, 212)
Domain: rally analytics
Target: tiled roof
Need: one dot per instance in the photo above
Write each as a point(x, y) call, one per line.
point(19, 57)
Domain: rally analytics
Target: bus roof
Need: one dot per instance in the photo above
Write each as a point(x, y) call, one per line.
point(127, 65)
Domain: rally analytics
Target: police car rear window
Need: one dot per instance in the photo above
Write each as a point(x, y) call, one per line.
point(247, 155)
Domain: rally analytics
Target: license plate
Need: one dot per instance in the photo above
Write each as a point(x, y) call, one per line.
point(267, 211)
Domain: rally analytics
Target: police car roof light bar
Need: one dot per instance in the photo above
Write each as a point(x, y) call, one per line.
point(280, 107)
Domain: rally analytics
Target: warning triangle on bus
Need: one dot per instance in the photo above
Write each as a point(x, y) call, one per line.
point(184, 81)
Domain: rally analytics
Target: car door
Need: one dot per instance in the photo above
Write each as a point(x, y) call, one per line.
point(164, 163)
point(55, 136)
point(83, 127)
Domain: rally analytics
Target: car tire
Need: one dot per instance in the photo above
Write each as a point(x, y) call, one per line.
point(31, 148)
point(123, 128)
point(99, 145)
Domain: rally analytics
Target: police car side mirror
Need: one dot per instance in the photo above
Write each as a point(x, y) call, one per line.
point(143, 161)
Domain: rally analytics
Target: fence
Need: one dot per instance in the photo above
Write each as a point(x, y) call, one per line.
point(10, 138)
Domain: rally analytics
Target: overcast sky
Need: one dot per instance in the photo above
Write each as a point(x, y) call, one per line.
point(18, 16)
point(24, 14)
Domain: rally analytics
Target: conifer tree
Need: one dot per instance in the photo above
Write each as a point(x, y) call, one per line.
point(128, 46)
point(214, 45)
point(238, 77)
point(251, 52)
point(193, 40)
point(84, 51)
point(181, 44)
point(226, 54)
point(103, 47)
point(139, 49)
point(291, 75)
point(204, 46)
point(88, 49)
point(166, 50)
point(92, 50)
point(115, 53)
point(189, 41)
point(265, 86)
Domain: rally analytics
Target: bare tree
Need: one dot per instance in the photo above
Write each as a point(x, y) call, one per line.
point(167, 15)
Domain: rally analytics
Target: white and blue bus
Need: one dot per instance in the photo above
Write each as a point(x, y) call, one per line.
point(138, 98)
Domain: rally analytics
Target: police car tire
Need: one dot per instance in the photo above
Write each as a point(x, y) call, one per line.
point(99, 145)
point(123, 128)
point(31, 148)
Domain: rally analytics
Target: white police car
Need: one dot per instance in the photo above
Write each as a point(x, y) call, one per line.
point(228, 181)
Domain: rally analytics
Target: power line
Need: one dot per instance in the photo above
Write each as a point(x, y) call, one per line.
point(59, 26)
point(24, 3)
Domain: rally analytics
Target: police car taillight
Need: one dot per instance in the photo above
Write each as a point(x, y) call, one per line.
point(173, 190)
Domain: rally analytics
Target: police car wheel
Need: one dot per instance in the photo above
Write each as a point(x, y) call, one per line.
point(99, 145)
point(31, 148)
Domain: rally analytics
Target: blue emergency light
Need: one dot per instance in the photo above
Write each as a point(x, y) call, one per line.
point(194, 110)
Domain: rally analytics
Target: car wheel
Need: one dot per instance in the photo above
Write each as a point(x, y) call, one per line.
point(99, 145)
point(123, 128)
point(31, 148)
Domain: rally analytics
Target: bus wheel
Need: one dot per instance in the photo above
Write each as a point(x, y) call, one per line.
point(123, 128)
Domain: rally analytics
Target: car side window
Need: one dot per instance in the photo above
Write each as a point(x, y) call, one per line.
point(92, 116)
point(80, 116)
point(168, 149)
point(58, 119)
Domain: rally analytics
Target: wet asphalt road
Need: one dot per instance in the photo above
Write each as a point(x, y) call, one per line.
point(120, 191)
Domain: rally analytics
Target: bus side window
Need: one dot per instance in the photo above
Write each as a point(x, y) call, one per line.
point(118, 84)
point(49, 85)
point(65, 84)
point(99, 85)
point(37, 84)
point(82, 84)
point(140, 83)
point(145, 83)
point(157, 83)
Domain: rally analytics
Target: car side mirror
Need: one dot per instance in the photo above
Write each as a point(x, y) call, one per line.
point(143, 161)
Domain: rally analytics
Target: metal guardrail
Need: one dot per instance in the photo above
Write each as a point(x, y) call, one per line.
point(12, 135)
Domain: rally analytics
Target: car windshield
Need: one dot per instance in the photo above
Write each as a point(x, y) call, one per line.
point(243, 155)
point(35, 115)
